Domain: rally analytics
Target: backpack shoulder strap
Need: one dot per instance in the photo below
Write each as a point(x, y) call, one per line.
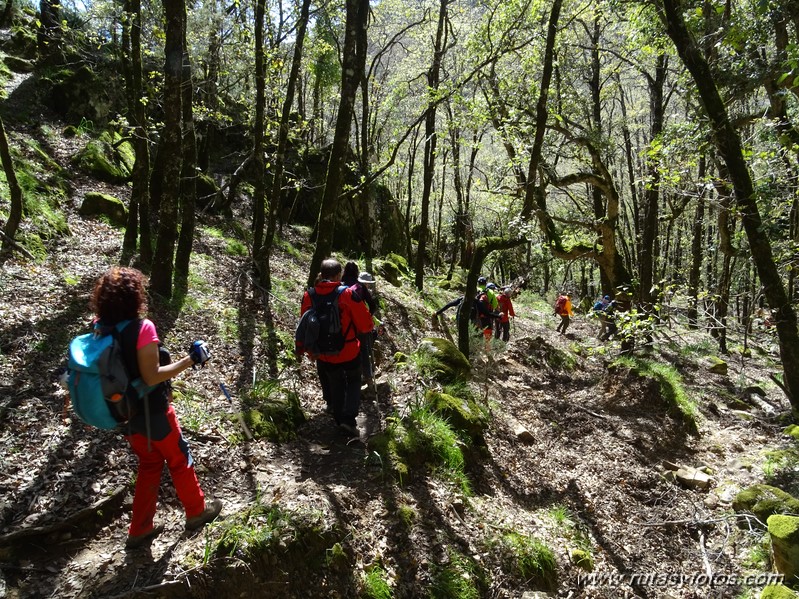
point(128, 336)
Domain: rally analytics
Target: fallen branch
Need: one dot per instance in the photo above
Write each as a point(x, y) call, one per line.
point(89, 513)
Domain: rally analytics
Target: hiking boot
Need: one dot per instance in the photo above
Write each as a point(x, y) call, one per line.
point(349, 429)
point(210, 512)
point(135, 541)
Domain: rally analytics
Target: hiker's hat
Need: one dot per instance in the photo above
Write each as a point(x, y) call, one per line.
point(492, 286)
point(481, 281)
point(607, 297)
point(366, 278)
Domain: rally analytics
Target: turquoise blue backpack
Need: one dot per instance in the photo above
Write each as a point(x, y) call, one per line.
point(102, 392)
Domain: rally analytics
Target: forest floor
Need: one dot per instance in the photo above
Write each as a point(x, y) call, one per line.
point(590, 475)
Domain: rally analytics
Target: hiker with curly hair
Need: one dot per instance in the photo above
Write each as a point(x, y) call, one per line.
point(153, 432)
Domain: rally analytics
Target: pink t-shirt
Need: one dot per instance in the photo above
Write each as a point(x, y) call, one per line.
point(147, 334)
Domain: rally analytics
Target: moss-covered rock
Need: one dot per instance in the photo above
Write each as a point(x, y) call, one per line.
point(582, 559)
point(784, 533)
point(777, 591)
point(447, 362)
point(792, 431)
point(22, 43)
point(104, 205)
point(99, 159)
point(463, 415)
point(19, 65)
point(765, 500)
point(716, 365)
point(207, 190)
point(273, 412)
point(390, 272)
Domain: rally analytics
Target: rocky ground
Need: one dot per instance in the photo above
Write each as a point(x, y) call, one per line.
point(588, 475)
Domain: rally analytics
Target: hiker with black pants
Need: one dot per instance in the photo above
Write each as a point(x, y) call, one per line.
point(340, 373)
point(360, 282)
point(153, 433)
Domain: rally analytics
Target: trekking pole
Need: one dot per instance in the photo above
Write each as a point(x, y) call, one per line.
point(219, 382)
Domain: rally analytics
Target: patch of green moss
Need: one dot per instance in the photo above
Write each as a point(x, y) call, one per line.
point(777, 591)
point(792, 431)
point(670, 384)
point(460, 578)
point(272, 412)
point(447, 363)
point(765, 500)
point(528, 559)
point(106, 206)
point(463, 415)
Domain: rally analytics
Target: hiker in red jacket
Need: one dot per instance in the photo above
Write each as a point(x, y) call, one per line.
point(506, 310)
point(340, 374)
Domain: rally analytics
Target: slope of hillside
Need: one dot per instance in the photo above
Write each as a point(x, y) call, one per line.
point(320, 516)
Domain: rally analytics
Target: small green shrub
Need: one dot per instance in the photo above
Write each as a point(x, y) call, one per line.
point(461, 578)
point(529, 559)
point(375, 585)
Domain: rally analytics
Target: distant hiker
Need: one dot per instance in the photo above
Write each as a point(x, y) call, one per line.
point(506, 310)
point(364, 288)
point(350, 274)
point(563, 308)
point(154, 434)
point(490, 290)
point(610, 326)
point(336, 349)
point(599, 312)
point(481, 316)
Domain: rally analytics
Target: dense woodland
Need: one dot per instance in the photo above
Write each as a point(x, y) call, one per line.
point(647, 150)
point(642, 149)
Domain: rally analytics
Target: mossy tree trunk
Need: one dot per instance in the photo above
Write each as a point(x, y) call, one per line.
point(430, 139)
point(282, 144)
point(138, 227)
point(352, 71)
point(15, 214)
point(729, 146)
point(170, 152)
point(189, 171)
point(259, 122)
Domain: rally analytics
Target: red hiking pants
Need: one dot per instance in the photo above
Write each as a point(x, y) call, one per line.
point(174, 451)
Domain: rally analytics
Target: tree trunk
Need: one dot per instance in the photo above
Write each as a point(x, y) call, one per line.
point(132, 70)
point(259, 192)
point(188, 179)
point(352, 71)
point(278, 165)
point(729, 147)
point(430, 141)
point(15, 213)
point(170, 152)
point(649, 230)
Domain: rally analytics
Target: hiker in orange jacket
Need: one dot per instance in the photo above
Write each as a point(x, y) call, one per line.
point(563, 308)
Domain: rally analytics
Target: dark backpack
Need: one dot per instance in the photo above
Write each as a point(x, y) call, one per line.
point(319, 331)
point(560, 304)
point(103, 393)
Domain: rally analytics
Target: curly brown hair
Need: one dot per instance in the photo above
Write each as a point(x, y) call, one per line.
point(119, 295)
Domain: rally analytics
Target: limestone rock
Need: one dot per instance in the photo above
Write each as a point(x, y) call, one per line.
point(693, 478)
point(522, 434)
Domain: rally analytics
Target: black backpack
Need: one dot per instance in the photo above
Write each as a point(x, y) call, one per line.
point(319, 331)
